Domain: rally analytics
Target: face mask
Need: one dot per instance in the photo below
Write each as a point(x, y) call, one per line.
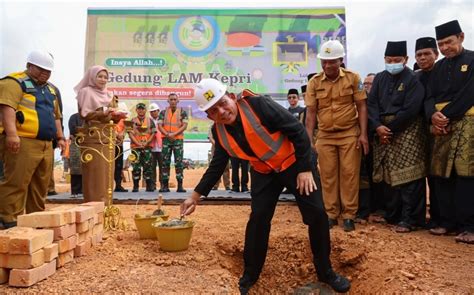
point(394, 68)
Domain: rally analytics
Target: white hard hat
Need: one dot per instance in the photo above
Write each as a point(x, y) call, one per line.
point(41, 59)
point(208, 92)
point(331, 49)
point(153, 107)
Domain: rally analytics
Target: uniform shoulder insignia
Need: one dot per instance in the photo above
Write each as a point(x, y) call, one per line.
point(52, 89)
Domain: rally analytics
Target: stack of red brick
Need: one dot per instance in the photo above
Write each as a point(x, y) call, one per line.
point(45, 241)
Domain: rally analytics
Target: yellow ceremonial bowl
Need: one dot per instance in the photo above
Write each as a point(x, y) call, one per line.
point(174, 238)
point(144, 222)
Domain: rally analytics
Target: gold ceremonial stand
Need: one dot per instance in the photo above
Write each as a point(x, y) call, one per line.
point(112, 215)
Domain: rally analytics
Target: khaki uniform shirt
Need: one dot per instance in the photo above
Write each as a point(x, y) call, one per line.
point(11, 95)
point(335, 103)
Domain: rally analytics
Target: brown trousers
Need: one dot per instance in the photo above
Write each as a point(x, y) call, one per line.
point(52, 185)
point(27, 176)
point(339, 162)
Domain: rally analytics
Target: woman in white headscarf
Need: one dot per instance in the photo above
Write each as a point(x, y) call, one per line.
point(97, 107)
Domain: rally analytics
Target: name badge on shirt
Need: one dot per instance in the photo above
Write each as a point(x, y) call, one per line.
point(464, 68)
point(401, 87)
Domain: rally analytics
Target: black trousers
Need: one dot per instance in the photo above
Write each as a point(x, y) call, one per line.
point(118, 165)
point(265, 191)
point(456, 202)
point(243, 166)
point(76, 184)
point(406, 203)
point(156, 161)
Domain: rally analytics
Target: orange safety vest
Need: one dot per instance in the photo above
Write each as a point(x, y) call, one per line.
point(172, 122)
point(141, 136)
point(274, 152)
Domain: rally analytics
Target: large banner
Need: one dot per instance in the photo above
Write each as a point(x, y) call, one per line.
point(152, 53)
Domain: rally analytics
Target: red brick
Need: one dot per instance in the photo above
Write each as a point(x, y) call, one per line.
point(83, 226)
point(65, 258)
point(101, 218)
point(98, 228)
point(98, 206)
point(6, 235)
point(84, 236)
point(43, 219)
point(22, 261)
point(29, 277)
point(82, 248)
point(64, 232)
point(50, 252)
point(97, 238)
point(67, 244)
point(30, 242)
point(4, 275)
point(84, 213)
point(69, 212)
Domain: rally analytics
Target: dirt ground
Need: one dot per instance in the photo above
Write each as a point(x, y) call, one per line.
point(376, 259)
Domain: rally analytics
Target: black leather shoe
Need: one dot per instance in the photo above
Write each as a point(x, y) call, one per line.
point(245, 283)
point(349, 225)
point(332, 222)
point(52, 193)
point(339, 283)
point(120, 189)
point(7, 225)
point(245, 189)
point(227, 188)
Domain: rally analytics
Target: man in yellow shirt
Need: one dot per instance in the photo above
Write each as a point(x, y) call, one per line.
point(30, 121)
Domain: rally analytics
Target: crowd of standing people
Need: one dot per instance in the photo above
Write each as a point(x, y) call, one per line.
point(396, 131)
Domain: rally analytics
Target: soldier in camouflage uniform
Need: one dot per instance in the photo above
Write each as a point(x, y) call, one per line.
point(171, 123)
point(141, 137)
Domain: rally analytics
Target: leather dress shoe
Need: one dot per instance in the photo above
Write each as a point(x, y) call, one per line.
point(245, 283)
point(348, 225)
point(332, 222)
point(338, 282)
point(120, 189)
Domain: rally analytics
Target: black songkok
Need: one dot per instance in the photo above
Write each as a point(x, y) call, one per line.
point(425, 42)
point(447, 29)
point(396, 48)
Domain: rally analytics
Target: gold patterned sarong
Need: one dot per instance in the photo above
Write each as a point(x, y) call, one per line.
point(404, 159)
point(456, 149)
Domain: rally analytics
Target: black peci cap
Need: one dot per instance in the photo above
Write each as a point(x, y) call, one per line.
point(396, 48)
point(447, 29)
point(425, 42)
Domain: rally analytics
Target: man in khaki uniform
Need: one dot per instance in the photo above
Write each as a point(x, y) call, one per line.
point(30, 121)
point(337, 97)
